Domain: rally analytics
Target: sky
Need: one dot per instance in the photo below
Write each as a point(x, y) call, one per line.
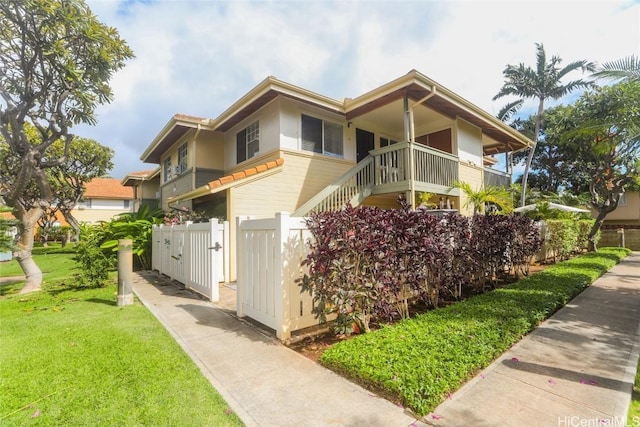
point(199, 57)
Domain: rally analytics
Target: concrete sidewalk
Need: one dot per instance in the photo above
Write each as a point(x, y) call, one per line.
point(578, 365)
point(576, 369)
point(264, 382)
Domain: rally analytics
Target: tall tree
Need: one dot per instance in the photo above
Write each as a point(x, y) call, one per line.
point(627, 69)
point(602, 135)
point(542, 83)
point(87, 159)
point(56, 60)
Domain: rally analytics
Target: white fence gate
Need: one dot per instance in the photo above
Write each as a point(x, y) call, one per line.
point(269, 254)
point(194, 254)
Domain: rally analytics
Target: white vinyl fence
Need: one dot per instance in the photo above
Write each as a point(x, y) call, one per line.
point(196, 255)
point(269, 254)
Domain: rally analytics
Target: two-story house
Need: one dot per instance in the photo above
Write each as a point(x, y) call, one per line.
point(284, 148)
point(145, 186)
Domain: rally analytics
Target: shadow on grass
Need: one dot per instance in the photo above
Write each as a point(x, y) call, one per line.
point(101, 301)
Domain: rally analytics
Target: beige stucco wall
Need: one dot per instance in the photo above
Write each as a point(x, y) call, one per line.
point(208, 150)
point(148, 189)
point(473, 175)
point(93, 216)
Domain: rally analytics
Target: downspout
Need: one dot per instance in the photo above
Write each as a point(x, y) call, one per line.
point(193, 175)
point(412, 140)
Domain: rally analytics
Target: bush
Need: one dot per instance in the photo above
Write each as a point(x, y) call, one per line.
point(366, 264)
point(95, 263)
point(420, 360)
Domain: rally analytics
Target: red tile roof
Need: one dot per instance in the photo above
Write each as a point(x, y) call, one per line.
point(107, 188)
point(245, 173)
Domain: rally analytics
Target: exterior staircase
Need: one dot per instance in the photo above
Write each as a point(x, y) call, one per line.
point(352, 187)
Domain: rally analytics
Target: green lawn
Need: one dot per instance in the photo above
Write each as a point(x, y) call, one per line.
point(70, 356)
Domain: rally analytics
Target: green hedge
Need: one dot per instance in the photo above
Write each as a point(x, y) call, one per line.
point(419, 361)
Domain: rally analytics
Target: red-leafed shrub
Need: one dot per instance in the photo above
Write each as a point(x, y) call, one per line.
point(367, 263)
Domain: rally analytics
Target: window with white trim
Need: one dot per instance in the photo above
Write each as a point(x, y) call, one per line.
point(183, 158)
point(166, 169)
point(248, 142)
point(321, 136)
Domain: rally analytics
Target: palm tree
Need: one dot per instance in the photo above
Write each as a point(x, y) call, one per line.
point(490, 194)
point(541, 83)
point(627, 68)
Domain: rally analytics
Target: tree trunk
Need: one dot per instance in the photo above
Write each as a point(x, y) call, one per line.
point(32, 272)
point(591, 246)
point(527, 166)
point(73, 222)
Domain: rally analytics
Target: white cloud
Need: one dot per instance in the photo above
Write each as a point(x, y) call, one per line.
point(198, 57)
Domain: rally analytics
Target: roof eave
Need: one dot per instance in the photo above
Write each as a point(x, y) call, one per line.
point(442, 92)
point(279, 87)
point(154, 150)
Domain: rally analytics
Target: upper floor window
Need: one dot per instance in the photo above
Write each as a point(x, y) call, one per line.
point(182, 158)
point(320, 136)
point(166, 169)
point(248, 142)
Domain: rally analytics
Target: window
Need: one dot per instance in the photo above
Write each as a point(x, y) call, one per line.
point(440, 140)
point(182, 158)
point(248, 142)
point(320, 136)
point(166, 169)
point(623, 200)
point(127, 204)
point(384, 141)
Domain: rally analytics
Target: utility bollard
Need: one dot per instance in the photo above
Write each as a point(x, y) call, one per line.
point(621, 242)
point(125, 272)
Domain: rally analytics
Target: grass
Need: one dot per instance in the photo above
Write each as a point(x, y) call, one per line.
point(634, 407)
point(419, 361)
point(70, 356)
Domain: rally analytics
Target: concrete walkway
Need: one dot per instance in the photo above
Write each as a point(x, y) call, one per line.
point(264, 382)
point(576, 368)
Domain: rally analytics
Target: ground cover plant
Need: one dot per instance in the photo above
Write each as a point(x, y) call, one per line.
point(70, 356)
point(634, 407)
point(418, 361)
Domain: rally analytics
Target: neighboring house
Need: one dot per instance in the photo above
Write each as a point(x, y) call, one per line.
point(623, 222)
point(627, 213)
point(284, 148)
point(146, 187)
point(103, 199)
